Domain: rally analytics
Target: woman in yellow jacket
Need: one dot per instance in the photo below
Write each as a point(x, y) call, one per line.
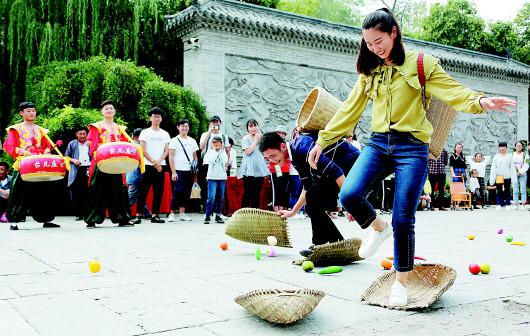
point(401, 134)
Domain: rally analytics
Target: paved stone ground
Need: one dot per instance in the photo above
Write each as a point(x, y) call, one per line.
point(172, 279)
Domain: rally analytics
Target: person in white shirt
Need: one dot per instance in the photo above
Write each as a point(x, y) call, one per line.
point(501, 177)
point(205, 145)
point(182, 161)
point(519, 170)
point(154, 142)
point(475, 188)
point(479, 163)
point(78, 150)
point(217, 160)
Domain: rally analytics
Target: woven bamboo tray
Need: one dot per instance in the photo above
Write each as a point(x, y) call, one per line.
point(426, 283)
point(318, 109)
point(255, 225)
point(280, 306)
point(442, 118)
point(343, 252)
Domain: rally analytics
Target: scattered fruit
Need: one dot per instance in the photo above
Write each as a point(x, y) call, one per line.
point(308, 266)
point(330, 270)
point(94, 266)
point(390, 258)
point(509, 238)
point(224, 246)
point(474, 268)
point(386, 264)
point(420, 258)
point(500, 231)
point(471, 237)
point(518, 243)
point(272, 240)
point(258, 254)
point(271, 253)
point(485, 268)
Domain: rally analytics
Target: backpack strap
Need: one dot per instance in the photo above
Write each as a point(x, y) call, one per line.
point(421, 78)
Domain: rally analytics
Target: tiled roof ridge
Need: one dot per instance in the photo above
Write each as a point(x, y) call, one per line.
point(249, 19)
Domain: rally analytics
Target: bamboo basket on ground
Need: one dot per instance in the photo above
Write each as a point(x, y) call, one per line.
point(281, 306)
point(255, 225)
point(317, 110)
point(426, 283)
point(343, 252)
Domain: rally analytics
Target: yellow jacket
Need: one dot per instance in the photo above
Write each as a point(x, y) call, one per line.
point(395, 93)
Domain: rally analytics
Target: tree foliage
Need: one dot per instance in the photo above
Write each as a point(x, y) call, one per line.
point(456, 24)
point(60, 88)
point(339, 11)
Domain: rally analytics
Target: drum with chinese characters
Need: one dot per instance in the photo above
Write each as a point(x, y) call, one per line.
point(117, 157)
point(41, 168)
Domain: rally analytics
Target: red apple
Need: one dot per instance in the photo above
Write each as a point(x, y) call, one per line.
point(474, 268)
point(224, 246)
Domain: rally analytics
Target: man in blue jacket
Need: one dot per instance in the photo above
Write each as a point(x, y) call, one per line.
point(321, 186)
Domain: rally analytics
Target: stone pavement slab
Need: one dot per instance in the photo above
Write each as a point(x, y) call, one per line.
point(173, 279)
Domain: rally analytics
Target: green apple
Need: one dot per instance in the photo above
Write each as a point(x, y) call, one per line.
point(485, 268)
point(509, 238)
point(308, 266)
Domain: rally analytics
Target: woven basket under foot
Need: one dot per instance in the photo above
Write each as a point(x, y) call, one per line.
point(317, 110)
point(343, 252)
point(426, 283)
point(442, 118)
point(281, 306)
point(255, 225)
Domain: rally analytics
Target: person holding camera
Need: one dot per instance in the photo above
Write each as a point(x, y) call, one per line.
point(183, 163)
point(205, 145)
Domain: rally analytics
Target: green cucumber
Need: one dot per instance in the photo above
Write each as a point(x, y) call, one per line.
point(330, 270)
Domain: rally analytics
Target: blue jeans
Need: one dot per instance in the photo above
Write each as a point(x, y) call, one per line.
point(519, 186)
point(216, 195)
point(384, 154)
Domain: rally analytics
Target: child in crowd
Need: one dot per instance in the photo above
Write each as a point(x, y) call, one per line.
point(475, 188)
point(217, 161)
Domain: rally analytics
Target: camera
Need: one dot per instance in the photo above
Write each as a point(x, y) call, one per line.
point(216, 127)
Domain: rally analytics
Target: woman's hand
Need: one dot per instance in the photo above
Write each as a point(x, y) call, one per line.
point(314, 155)
point(174, 177)
point(497, 103)
point(286, 213)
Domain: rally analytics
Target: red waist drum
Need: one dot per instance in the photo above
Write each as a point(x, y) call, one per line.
point(117, 157)
point(39, 168)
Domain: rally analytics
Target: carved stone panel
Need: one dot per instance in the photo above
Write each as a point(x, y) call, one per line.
point(273, 92)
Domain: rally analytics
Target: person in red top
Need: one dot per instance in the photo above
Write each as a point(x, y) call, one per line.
point(280, 179)
point(27, 139)
point(106, 191)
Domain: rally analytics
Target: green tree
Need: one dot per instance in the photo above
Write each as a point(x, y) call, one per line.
point(339, 11)
point(456, 24)
point(499, 39)
point(133, 89)
point(522, 29)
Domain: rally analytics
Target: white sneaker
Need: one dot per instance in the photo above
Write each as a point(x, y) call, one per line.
point(375, 239)
point(498, 207)
point(184, 218)
point(171, 217)
point(398, 295)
